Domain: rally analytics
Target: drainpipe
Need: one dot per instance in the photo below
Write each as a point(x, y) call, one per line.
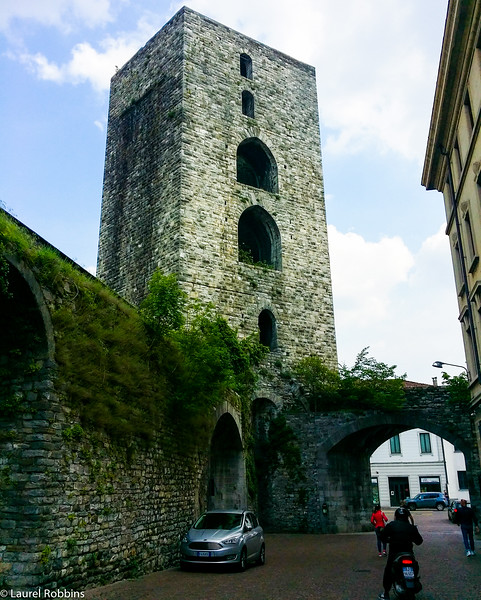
point(445, 467)
point(463, 264)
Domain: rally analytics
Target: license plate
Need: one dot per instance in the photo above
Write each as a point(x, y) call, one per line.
point(203, 554)
point(408, 572)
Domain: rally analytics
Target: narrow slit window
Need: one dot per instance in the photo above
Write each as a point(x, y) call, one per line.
point(268, 330)
point(247, 104)
point(469, 113)
point(246, 66)
point(469, 237)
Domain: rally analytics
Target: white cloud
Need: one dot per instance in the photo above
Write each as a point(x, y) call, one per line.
point(365, 275)
point(92, 65)
point(401, 305)
point(375, 65)
point(56, 13)
point(101, 124)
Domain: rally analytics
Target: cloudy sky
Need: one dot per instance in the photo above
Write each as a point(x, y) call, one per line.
point(376, 63)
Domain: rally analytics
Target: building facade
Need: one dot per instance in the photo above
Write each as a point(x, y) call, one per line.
point(417, 461)
point(213, 172)
point(453, 167)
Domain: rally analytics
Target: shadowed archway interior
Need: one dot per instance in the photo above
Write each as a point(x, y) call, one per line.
point(227, 481)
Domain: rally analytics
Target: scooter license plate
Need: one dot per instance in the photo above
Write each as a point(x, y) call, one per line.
point(408, 572)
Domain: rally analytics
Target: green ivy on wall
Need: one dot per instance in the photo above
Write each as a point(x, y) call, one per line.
point(128, 371)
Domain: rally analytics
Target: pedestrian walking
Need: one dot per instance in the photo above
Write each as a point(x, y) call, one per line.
point(466, 518)
point(378, 519)
point(402, 504)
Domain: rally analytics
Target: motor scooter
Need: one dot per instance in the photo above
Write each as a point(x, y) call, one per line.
point(405, 570)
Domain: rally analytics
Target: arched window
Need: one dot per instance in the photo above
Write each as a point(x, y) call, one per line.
point(247, 104)
point(259, 238)
point(267, 329)
point(246, 66)
point(256, 165)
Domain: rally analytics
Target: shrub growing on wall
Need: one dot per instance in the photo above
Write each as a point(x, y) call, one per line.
point(368, 384)
point(127, 370)
point(206, 361)
point(458, 386)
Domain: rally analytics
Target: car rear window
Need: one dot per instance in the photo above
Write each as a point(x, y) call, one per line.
point(219, 521)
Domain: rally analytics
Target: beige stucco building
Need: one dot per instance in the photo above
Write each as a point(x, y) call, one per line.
point(453, 167)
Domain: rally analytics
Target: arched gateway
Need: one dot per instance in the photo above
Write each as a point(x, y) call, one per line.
point(227, 480)
point(333, 492)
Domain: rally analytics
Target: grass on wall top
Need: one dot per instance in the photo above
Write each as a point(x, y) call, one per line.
point(121, 375)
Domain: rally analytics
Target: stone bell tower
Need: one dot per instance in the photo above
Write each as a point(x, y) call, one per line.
point(213, 171)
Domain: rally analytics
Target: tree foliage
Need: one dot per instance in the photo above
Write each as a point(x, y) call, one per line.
point(368, 384)
point(458, 386)
point(163, 308)
point(125, 370)
point(206, 361)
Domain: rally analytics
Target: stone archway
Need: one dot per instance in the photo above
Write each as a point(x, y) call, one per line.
point(227, 477)
point(335, 450)
point(26, 341)
point(259, 238)
point(264, 411)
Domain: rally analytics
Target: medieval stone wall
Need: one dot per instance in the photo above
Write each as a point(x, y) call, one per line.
point(335, 449)
point(172, 198)
point(78, 509)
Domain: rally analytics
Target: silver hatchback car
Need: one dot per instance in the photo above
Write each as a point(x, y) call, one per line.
point(224, 537)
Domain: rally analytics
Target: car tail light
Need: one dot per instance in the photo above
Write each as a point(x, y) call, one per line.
point(407, 561)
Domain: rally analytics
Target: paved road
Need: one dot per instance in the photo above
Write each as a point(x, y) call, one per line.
point(327, 567)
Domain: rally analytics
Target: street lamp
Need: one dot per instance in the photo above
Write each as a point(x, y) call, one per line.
point(439, 365)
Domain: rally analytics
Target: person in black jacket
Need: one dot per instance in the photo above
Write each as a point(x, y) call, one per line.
point(400, 535)
point(466, 517)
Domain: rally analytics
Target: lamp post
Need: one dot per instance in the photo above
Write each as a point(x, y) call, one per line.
point(439, 365)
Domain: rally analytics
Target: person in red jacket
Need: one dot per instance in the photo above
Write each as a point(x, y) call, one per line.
point(378, 519)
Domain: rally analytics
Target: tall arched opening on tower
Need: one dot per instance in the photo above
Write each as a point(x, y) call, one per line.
point(259, 238)
point(256, 165)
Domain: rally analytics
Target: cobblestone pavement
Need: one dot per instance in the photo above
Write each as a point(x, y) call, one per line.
point(327, 567)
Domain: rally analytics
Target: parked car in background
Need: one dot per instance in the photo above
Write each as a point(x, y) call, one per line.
point(224, 537)
point(453, 509)
point(427, 500)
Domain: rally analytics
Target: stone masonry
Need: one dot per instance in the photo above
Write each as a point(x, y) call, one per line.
point(190, 179)
point(335, 451)
point(76, 507)
point(213, 172)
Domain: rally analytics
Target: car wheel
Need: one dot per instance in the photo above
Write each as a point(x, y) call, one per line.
point(440, 506)
point(411, 506)
point(243, 560)
point(262, 556)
